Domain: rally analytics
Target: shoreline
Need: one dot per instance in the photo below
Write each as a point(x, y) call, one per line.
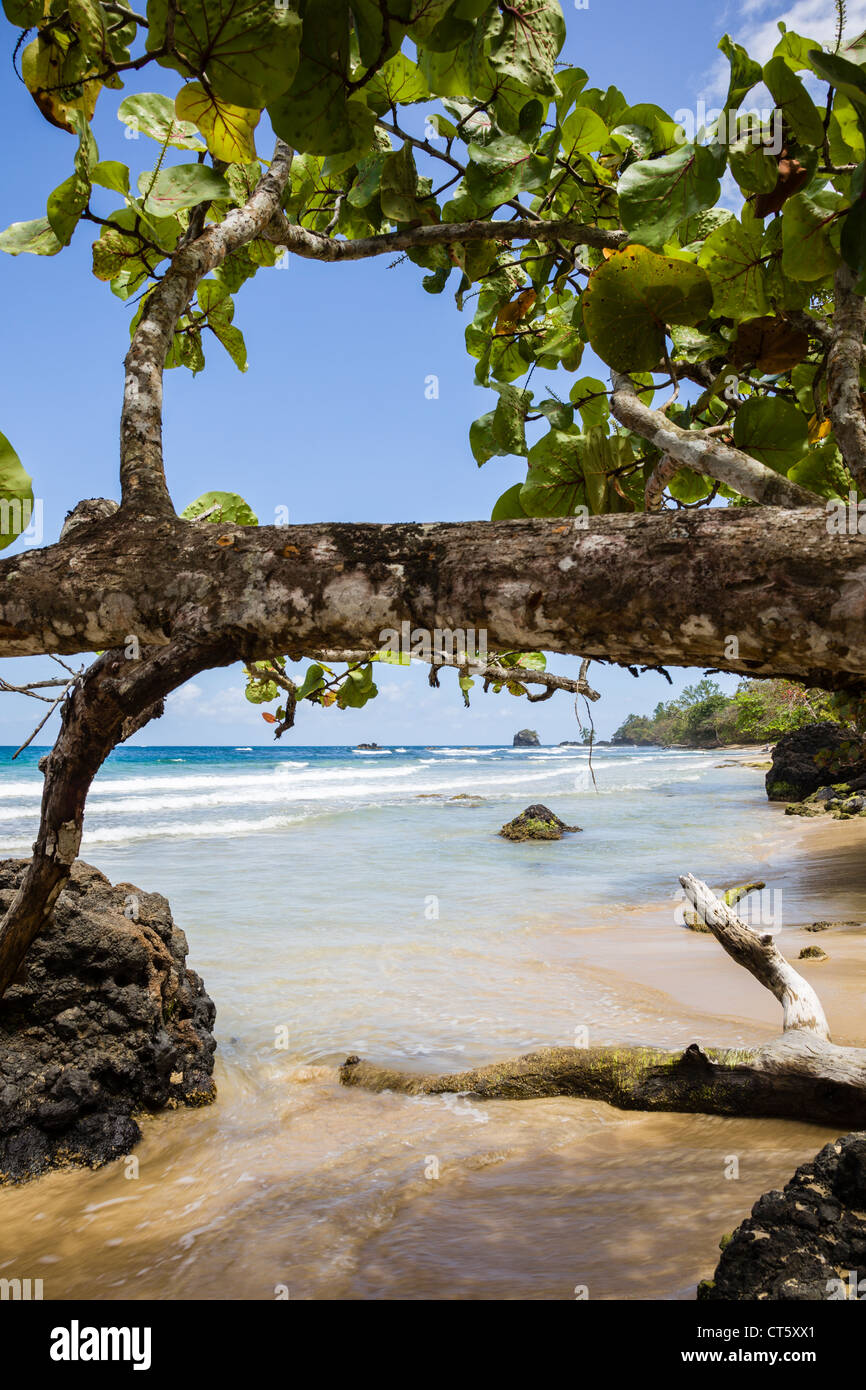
point(647, 954)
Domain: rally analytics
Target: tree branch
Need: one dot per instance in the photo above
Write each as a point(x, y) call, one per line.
point(114, 697)
point(318, 247)
point(843, 375)
point(142, 474)
point(703, 454)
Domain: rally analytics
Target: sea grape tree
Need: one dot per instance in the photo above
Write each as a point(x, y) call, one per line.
point(678, 314)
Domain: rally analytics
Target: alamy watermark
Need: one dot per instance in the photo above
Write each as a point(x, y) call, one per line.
point(22, 519)
point(730, 127)
point(436, 646)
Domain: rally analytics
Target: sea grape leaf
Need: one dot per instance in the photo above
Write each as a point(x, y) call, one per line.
point(35, 236)
point(230, 507)
point(732, 257)
point(247, 49)
point(772, 430)
point(153, 114)
point(656, 195)
point(630, 300)
point(229, 130)
point(181, 186)
point(16, 495)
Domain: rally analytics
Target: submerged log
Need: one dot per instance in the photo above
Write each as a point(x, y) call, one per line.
point(801, 1075)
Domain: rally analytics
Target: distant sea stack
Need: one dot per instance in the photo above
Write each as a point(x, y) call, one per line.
point(526, 738)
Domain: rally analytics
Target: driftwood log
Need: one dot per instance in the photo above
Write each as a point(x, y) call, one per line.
point(801, 1075)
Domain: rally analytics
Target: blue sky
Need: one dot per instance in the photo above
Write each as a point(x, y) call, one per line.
point(331, 420)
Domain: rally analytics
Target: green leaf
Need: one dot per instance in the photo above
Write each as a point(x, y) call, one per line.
point(357, 688)
point(35, 237)
point(656, 195)
point(772, 430)
point(798, 108)
point(732, 257)
point(153, 114)
point(402, 195)
point(398, 81)
point(16, 495)
point(231, 508)
point(509, 506)
point(808, 252)
point(65, 206)
point(745, 73)
point(687, 486)
point(590, 396)
point(630, 300)
point(247, 48)
point(313, 681)
point(110, 173)
point(215, 301)
point(846, 77)
point(181, 186)
point(530, 35)
point(555, 483)
point(583, 132)
point(260, 692)
point(508, 427)
point(497, 170)
point(481, 440)
point(755, 170)
point(822, 471)
point(795, 50)
point(315, 114)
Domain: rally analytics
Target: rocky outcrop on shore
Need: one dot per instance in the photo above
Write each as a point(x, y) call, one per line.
point(526, 738)
point(806, 1243)
point(816, 756)
point(104, 1020)
point(537, 823)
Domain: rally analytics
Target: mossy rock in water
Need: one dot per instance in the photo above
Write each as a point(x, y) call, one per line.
point(826, 926)
point(813, 953)
point(537, 823)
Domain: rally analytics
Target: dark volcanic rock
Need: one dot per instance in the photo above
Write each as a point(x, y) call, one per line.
point(809, 758)
point(104, 1020)
point(526, 738)
point(536, 823)
point(807, 1243)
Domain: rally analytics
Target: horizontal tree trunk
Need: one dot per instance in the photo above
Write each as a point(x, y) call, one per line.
point(799, 1076)
point(632, 589)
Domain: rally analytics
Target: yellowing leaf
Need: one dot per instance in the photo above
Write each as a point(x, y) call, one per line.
point(818, 429)
point(510, 314)
point(227, 129)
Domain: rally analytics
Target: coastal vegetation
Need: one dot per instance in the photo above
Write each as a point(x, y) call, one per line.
point(703, 716)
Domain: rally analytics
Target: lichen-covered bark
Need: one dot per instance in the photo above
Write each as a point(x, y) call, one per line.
point(649, 589)
point(844, 361)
